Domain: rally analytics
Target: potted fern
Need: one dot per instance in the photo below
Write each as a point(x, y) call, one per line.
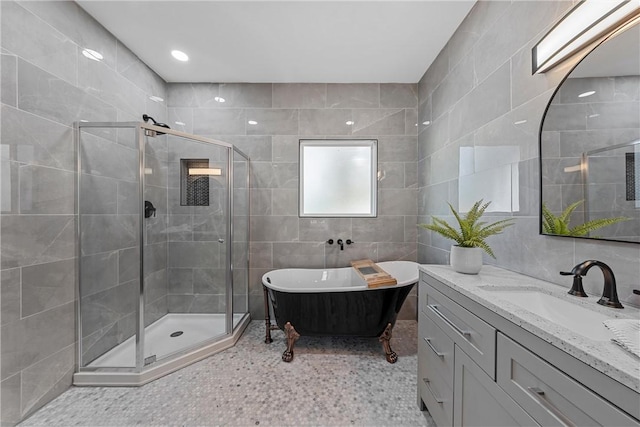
point(470, 236)
point(559, 225)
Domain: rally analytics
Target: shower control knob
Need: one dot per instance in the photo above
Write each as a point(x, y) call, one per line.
point(330, 241)
point(349, 241)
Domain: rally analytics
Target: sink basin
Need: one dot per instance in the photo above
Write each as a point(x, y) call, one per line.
point(578, 319)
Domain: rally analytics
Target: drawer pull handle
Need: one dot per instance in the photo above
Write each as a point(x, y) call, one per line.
point(437, 399)
point(538, 394)
point(436, 310)
point(428, 341)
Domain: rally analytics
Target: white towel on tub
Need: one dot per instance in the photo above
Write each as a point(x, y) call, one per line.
point(626, 333)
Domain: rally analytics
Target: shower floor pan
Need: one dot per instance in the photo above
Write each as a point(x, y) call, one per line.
point(115, 367)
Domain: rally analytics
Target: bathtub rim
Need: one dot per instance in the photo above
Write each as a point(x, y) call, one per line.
point(385, 265)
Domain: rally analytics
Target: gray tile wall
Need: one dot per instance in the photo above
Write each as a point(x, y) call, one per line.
point(480, 92)
point(47, 84)
point(577, 125)
point(285, 113)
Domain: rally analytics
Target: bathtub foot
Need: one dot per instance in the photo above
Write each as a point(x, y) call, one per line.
point(267, 318)
point(292, 336)
point(391, 355)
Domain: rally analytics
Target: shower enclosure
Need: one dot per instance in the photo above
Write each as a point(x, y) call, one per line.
point(163, 250)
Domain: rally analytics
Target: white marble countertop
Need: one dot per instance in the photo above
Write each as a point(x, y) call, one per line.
point(605, 356)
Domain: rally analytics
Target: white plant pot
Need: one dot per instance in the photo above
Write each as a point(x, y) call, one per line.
point(466, 260)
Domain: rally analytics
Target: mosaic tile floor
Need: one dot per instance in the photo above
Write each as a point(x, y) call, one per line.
point(330, 382)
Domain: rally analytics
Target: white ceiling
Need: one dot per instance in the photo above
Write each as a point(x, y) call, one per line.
point(293, 41)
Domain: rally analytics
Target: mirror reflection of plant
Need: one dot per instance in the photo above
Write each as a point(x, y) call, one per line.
point(559, 225)
point(471, 232)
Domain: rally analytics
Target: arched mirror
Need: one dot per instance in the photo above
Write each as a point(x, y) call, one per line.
point(590, 146)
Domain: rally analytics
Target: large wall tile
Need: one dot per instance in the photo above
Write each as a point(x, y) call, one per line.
point(46, 379)
point(47, 285)
point(9, 77)
point(325, 122)
point(272, 121)
point(71, 20)
point(219, 122)
point(396, 95)
point(33, 338)
point(10, 295)
point(490, 99)
point(35, 239)
point(45, 190)
point(45, 47)
point(97, 79)
point(353, 95)
point(298, 255)
point(274, 228)
point(193, 95)
point(36, 141)
point(256, 95)
point(379, 122)
point(299, 95)
point(136, 71)
point(10, 400)
point(45, 95)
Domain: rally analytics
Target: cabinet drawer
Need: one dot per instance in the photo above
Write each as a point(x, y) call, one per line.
point(439, 348)
point(473, 335)
point(434, 390)
point(551, 397)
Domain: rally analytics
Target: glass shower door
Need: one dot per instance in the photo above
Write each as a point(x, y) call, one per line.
point(186, 243)
point(109, 241)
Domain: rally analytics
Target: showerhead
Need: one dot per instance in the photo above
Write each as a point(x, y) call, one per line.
point(147, 117)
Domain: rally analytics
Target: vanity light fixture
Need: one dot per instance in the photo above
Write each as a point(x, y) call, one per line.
point(587, 93)
point(583, 24)
point(349, 123)
point(219, 99)
point(180, 55)
point(252, 122)
point(426, 123)
point(92, 54)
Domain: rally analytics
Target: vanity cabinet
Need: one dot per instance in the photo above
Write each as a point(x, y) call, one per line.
point(550, 396)
point(479, 401)
point(476, 368)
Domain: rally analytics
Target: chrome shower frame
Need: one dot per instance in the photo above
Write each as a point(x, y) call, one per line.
point(141, 374)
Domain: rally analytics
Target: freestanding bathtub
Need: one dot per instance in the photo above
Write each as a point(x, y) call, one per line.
point(335, 302)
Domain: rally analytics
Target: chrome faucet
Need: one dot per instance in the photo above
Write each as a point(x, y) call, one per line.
point(609, 294)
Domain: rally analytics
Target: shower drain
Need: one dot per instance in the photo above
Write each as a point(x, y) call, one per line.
point(176, 334)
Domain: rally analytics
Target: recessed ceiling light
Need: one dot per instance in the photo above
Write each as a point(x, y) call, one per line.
point(252, 122)
point(588, 93)
point(349, 123)
point(92, 54)
point(519, 122)
point(180, 55)
point(155, 98)
point(219, 99)
point(181, 123)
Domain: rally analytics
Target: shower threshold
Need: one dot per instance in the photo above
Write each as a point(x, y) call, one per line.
point(115, 368)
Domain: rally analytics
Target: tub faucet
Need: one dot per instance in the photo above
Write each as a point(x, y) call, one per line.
point(609, 294)
point(342, 243)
